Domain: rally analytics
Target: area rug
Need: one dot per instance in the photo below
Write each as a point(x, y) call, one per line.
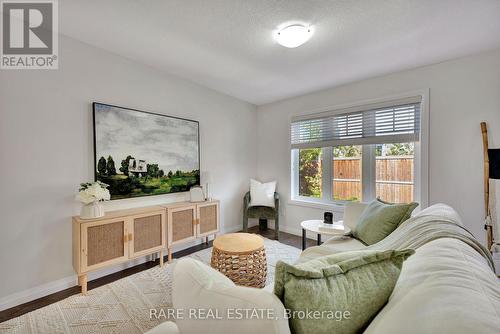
point(123, 306)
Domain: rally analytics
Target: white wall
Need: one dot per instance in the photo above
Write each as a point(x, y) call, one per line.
point(46, 146)
point(463, 93)
point(46, 151)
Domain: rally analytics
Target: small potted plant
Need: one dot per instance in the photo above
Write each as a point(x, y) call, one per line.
point(91, 195)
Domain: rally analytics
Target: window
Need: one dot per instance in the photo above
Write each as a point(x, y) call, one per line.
point(347, 181)
point(310, 172)
point(395, 172)
point(357, 154)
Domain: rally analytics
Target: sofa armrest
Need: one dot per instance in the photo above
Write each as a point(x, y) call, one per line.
point(198, 286)
point(167, 327)
point(352, 211)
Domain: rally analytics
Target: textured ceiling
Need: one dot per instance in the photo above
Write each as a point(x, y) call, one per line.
point(227, 45)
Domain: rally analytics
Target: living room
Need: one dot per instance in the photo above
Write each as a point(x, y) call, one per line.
point(209, 166)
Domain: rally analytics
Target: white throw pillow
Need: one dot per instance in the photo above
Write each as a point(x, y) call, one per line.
point(196, 286)
point(262, 194)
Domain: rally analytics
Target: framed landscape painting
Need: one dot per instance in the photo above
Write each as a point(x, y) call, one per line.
point(140, 153)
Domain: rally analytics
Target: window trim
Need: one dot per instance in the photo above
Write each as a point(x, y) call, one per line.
point(421, 162)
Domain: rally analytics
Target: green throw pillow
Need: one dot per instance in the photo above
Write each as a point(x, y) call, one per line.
point(379, 219)
point(338, 293)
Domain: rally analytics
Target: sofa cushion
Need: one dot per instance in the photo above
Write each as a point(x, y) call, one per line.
point(379, 219)
point(346, 289)
point(332, 246)
point(446, 287)
point(199, 287)
point(352, 212)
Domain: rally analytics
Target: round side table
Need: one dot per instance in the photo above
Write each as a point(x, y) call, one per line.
point(317, 226)
point(241, 257)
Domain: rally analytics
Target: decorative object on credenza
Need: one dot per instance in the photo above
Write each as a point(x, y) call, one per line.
point(328, 218)
point(196, 194)
point(206, 177)
point(141, 154)
point(91, 195)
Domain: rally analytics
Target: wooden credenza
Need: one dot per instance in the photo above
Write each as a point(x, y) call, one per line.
point(124, 235)
point(189, 221)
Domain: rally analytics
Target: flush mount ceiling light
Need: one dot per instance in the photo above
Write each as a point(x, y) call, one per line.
point(293, 35)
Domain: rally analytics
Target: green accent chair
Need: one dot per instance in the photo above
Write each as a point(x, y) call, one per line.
point(262, 212)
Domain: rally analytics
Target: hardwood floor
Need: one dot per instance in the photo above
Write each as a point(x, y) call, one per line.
point(285, 238)
point(16, 311)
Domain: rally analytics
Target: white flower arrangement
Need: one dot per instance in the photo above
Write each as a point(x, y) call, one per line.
point(93, 192)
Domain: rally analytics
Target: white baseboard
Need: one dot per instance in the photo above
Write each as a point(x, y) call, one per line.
point(43, 290)
point(298, 231)
point(231, 229)
point(255, 222)
point(291, 230)
point(25, 296)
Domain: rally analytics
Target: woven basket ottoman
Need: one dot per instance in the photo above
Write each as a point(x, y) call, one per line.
point(242, 258)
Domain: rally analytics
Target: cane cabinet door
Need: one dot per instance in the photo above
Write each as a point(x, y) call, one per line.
point(207, 218)
point(103, 243)
point(147, 233)
point(181, 224)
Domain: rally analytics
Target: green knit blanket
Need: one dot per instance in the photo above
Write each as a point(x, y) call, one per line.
point(424, 228)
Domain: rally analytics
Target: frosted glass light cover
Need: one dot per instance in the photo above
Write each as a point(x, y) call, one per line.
point(293, 36)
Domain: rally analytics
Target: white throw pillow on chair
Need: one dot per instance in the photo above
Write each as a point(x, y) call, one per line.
point(262, 194)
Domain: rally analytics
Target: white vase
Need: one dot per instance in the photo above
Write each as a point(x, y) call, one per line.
point(92, 210)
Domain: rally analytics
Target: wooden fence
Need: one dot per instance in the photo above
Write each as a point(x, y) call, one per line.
point(394, 178)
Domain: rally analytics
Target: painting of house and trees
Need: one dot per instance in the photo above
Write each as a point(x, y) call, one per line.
point(141, 154)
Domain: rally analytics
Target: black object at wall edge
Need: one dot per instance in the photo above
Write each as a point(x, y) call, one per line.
point(494, 158)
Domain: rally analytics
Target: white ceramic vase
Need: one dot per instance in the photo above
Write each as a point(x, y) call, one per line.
point(92, 210)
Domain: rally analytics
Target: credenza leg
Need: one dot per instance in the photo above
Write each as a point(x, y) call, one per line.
point(206, 240)
point(82, 281)
point(161, 257)
point(170, 255)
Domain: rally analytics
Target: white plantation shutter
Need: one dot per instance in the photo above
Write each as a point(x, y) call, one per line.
point(395, 121)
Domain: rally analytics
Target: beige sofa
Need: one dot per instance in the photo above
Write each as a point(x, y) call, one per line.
point(446, 287)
